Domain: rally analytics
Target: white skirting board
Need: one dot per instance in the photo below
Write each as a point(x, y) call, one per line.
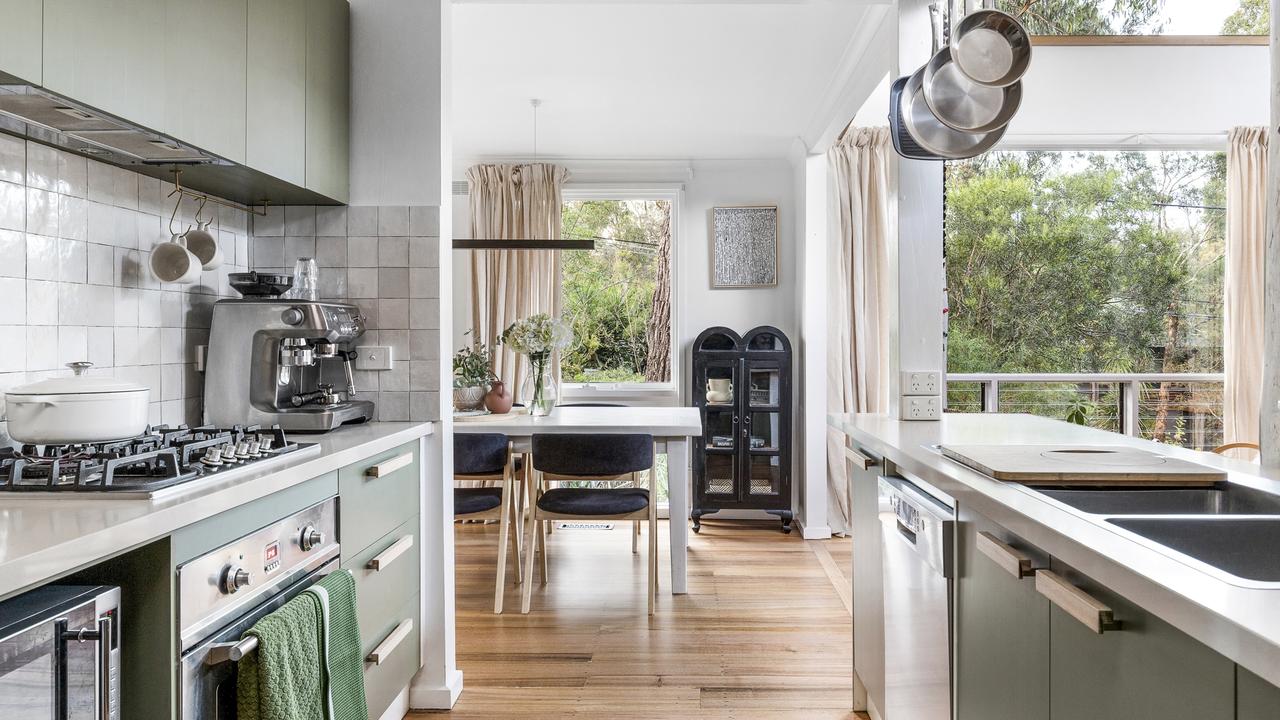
point(398, 707)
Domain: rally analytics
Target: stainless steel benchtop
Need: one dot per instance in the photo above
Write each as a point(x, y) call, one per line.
point(1237, 618)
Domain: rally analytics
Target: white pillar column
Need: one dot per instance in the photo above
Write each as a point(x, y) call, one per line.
point(1270, 435)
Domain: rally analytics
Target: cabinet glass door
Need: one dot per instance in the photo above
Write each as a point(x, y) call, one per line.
point(719, 382)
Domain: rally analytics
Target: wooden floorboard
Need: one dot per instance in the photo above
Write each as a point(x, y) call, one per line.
point(762, 635)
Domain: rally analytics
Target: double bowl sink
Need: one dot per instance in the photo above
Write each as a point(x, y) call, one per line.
point(1230, 527)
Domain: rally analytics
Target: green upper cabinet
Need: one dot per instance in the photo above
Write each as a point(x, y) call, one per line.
point(276, 123)
point(20, 53)
point(328, 97)
point(111, 55)
point(205, 50)
point(1145, 670)
point(1001, 625)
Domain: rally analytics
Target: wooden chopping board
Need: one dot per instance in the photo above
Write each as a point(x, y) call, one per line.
point(1095, 465)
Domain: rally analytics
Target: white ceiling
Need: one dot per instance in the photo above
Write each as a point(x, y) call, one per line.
point(656, 79)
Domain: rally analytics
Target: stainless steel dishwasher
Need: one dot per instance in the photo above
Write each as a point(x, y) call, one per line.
point(918, 540)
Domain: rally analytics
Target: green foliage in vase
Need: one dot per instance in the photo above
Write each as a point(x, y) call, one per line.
point(537, 335)
point(472, 366)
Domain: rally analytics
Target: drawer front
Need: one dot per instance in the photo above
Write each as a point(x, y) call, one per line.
point(373, 506)
point(380, 593)
point(383, 682)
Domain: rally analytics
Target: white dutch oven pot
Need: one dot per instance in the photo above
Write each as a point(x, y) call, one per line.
point(79, 409)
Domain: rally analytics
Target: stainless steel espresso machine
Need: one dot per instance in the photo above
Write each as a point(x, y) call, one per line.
point(286, 362)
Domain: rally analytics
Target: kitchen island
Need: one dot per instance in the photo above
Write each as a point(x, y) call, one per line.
point(1187, 639)
point(393, 534)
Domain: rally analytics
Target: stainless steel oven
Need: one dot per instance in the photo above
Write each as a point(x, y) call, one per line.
point(60, 654)
point(224, 592)
point(917, 541)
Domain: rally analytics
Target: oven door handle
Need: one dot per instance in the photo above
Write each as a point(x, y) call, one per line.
point(102, 636)
point(230, 651)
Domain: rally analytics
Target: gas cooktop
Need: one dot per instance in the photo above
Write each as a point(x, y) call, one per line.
point(160, 460)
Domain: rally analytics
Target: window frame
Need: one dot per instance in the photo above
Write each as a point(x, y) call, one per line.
point(639, 393)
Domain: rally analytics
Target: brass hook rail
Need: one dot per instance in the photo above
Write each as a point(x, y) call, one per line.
point(206, 198)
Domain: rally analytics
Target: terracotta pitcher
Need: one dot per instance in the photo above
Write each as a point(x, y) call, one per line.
point(498, 399)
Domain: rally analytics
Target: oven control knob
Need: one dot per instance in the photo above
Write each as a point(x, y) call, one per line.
point(234, 577)
point(292, 316)
point(310, 539)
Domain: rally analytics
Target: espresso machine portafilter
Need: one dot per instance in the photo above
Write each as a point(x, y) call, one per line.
point(274, 361)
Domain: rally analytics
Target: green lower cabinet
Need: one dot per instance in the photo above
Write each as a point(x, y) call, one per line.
point(1001, 628)
point(1145, 670)
point(1256, 699)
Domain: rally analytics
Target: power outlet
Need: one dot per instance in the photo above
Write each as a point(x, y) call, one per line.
point(920, 383)
point(373, 357)
point(921, 408)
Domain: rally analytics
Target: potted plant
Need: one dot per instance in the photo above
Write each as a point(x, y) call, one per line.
point(538, 337)
point(472, 374)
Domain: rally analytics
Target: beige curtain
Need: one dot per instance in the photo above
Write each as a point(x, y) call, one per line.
point(861, 212)
point(1243, 291)
point(513, 202)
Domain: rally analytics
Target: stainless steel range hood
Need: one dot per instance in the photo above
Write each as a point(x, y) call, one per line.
point(47, 117)
point(63, 122)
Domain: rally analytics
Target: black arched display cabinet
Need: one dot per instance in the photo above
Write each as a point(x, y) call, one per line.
point(742, 387)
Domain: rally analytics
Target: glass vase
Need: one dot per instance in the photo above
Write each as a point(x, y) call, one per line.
point(539, 390)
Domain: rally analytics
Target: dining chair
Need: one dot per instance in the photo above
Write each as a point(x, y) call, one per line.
point(569, 457)
point(635, 526)
point(488, 457)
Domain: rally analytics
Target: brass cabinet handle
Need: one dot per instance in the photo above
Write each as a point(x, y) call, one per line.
point(384, 559)
point(858, 459)
point(390, 642)
point(1011, 560)
point(1082, 606)
point(383, 469)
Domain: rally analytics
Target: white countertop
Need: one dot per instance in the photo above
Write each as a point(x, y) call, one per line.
point(47, 537)
point(1238, 619)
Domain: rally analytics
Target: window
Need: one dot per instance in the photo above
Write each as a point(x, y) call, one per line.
point(1089, 263)
point(1142, 17)
point(617, 297)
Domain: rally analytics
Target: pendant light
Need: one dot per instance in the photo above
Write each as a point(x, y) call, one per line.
point(525, 244)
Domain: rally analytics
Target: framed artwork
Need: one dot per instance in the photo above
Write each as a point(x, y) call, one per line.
point(744, 247)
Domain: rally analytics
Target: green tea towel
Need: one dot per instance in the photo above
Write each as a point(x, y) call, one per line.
point(342, 646)
point(284, 678)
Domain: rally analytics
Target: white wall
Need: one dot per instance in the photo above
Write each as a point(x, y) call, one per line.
point(1074, 94)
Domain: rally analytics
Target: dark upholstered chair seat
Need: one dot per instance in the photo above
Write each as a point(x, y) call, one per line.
point(473, 500)
point(594, 501)
point(479, 454)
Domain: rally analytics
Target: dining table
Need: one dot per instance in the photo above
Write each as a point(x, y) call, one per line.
point(671, 427)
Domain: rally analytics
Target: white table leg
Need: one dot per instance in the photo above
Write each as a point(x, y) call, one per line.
point(678, 499)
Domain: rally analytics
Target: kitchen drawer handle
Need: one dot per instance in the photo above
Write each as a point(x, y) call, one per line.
point(383, 560)
point(1013, 561)
point(391, 642)
point(383, 469)
point(857, 458)
point(1077, 603)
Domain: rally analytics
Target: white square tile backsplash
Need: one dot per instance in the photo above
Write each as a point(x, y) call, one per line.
point(368, 257)
point(75, 241)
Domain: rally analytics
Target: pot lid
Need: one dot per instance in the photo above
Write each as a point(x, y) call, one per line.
point(77, 384)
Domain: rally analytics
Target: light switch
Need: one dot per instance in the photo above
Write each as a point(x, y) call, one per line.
point(373, 357)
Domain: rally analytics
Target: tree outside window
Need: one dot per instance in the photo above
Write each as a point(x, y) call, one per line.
point(617, 297)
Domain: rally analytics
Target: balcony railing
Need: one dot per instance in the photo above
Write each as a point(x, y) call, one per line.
point(1177, 408)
